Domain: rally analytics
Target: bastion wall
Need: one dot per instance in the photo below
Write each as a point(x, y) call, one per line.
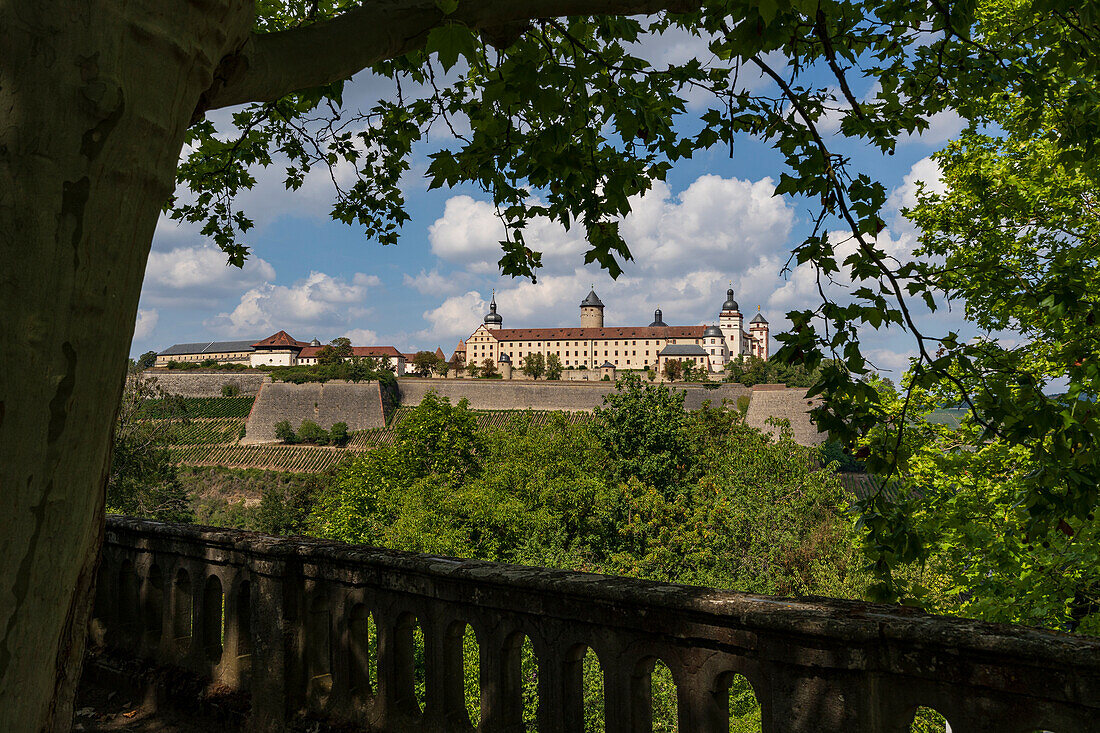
point(207, 384)
point(494, 394)
point(360, 405)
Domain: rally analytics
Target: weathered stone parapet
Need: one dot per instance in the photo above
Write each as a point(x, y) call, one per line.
point(289, 621)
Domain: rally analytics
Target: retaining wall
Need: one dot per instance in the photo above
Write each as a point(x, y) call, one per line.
point(359, 405)
point(285, 622)
point(515, 394)
point(769, 400)
point(207, 384)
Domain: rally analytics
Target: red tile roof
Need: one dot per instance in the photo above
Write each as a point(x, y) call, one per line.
point(439, 352)
point(310, 352)
point(280, 340)
point(583, 334)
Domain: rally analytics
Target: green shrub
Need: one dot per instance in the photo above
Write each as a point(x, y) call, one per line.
point(312, 433)
point(230, 390)
point(606, 378)
point(284, 432)
point(339, 433)
point(743, 404)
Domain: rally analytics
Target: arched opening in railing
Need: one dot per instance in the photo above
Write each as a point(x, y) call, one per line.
point(408, 658)
point(362, 653)
point(663, 711)
point(928, 720)
point(592, 691)
point(213, 619)
point(243, 627)
point(128, 606)
point(471, 674)
point(529, 682)
point(318, 649)
point(182, 607)
point(153, 606)
point(744, 709)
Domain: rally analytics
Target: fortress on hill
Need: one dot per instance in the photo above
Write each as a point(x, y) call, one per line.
point(594, 345)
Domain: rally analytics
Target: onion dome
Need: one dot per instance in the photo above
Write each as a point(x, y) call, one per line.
point(730, 304)
point(592, 300)
point(658, 320)
point(492, 317)
point(314, 342)
point(713, 332)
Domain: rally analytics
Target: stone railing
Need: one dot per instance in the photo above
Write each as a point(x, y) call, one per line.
point(302, 625)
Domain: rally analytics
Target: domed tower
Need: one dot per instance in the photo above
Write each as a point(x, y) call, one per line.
point(759, 328)
point(592, 310)
point(493, 320)
point(658, 319)
point(729, 320)
point(714, 343)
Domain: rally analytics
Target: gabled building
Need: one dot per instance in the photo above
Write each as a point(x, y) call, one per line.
point(223, 352)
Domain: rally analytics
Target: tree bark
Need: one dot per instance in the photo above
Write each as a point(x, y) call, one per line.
point(95, 98)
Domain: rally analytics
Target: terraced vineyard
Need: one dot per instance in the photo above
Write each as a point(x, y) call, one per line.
point(503, 418)
point(291, 458)
point(206, 431)
point(211, 427)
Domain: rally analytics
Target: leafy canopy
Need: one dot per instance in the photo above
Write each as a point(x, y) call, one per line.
point(567, 119)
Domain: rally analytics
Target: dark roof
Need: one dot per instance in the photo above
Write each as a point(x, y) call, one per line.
point(208, 347)
point(592, 300)
point(504, 358)
point(310, 352)
point(607, 365)
point(658, 320)
point(714, 331)
point(580, 334)
point(730, 304)
point(280, 340)
point(683, 350)
point(492, 316)
point(759, 318)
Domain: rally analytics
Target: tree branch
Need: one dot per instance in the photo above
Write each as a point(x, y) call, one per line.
point(271, 65)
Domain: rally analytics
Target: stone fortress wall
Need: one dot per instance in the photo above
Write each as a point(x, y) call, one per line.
point(360, 405)
point(363, 405)
point(207, 384)
point(775, 401)
point(491, 394)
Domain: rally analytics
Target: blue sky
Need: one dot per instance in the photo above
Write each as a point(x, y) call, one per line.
point(715, 222)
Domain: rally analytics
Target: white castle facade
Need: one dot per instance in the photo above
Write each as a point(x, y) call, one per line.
point(592, 345)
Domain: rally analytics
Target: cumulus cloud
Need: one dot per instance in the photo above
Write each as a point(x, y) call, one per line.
point(318, 303)
point(193, 275)
point(456, 317)
point(146, 322)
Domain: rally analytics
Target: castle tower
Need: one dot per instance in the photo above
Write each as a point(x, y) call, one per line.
point(759, 329)
point(592, 310)
point(493, 320)
point(730, 321)
point(658, 319)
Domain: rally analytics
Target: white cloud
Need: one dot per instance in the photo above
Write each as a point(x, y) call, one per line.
point(456, 317)
point(925, 171)
point(146, 322)
point(319, 303)
point(437, 283)
point(196, 274)
point(362, 337)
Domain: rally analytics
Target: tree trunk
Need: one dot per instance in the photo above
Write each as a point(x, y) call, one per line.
point(95, 98)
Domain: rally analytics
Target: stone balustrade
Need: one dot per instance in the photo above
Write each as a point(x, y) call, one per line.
point(327, 629)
